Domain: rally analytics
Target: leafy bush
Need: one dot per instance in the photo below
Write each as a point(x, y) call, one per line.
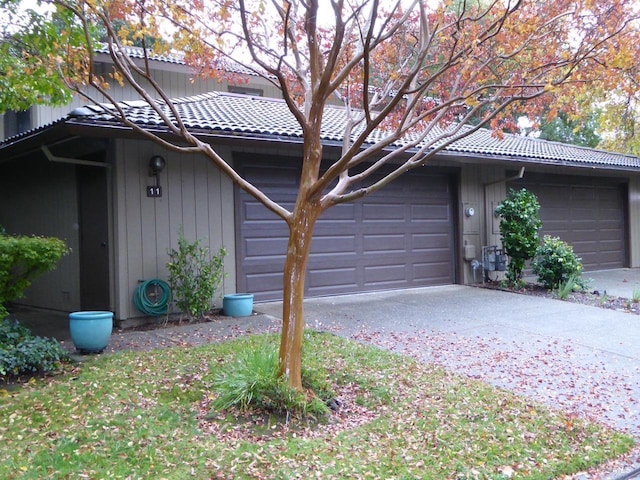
point(519, 226)
point(12, 332)
point(194, 276)
point(252, 382)
point(555, 263)
point(21, 260)
point(22, 353)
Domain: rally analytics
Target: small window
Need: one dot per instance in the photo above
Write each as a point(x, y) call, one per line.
point(254, 92)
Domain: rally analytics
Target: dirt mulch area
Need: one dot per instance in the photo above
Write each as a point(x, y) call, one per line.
point(145, 324)
point(592, 298)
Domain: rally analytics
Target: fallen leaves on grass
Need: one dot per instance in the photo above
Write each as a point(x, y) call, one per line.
point(141, 415)
point(262, 427)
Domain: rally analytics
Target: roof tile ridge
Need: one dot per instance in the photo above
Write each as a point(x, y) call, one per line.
point(550, 143)
point(200, 97)
point(249, 98)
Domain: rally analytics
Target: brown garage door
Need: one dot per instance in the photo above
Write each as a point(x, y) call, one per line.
point(588, 213)
point(399, 237)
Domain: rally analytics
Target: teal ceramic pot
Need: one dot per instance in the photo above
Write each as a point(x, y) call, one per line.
point(90, 331)
point(237, 304)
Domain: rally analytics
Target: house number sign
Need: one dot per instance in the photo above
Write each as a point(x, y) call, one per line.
point(154, 191)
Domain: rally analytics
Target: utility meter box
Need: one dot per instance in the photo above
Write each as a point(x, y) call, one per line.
point(494, 259)
point(469, 252)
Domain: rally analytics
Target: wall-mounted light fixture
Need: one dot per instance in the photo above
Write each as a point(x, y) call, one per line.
point(156, 165)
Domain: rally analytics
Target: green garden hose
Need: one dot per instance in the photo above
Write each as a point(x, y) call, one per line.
point(152, 297)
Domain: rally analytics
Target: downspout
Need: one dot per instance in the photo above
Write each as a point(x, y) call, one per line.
point(505, 180)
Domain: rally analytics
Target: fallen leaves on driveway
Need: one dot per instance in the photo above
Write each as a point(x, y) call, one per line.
point(555, 372)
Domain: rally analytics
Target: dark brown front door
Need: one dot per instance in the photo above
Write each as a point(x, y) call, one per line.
point(94, 238)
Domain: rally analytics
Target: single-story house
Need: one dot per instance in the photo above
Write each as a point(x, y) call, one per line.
point(87, 179)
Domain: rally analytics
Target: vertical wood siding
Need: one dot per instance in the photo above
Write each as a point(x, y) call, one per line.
point(39, 198)
point(634, 222)
point(194, 196)
point(478, 192)
point(176, 83)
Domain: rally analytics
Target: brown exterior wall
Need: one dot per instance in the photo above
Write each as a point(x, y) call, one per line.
point(195, 197)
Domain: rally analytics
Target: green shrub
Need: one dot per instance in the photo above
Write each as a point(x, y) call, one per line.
point(21, 260)
point(519, 226)
point(251, 382)
point(555, 263)
point(22, 353)
point(12, 332)
point(194, 276)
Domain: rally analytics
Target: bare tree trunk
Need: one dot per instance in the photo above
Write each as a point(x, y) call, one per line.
point(295, 268)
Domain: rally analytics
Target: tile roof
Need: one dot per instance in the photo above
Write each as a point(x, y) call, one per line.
point(173, 57)
point(218, 113)
point(138, 52)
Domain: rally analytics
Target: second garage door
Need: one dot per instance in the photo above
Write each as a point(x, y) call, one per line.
point(399, 237)
point(588, 213)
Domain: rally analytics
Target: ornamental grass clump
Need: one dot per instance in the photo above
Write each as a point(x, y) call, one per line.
point(251, 383)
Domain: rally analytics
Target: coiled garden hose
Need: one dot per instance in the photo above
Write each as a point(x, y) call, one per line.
point(152, 297)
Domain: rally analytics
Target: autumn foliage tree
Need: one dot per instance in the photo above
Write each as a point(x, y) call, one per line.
point(413, 77)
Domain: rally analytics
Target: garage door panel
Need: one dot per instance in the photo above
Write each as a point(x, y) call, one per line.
point(554, 215)
point(583, 246)
point(385, 276)
point(381, 212)
point(429, 242)
point(588, 213)
point(268, 284)
point(553, 194)
point(335, 229)
point(402, 236)
point(583, 193)
point(607, 200)
point(332, 244)
point(431, 273)
point(611, 245)
point(432, 257)
point(612, 234)
point(585, 236)
point(318, 278)
point(430, 213)
point(589, 261)
point(265, 247)
point(333, 289)
point(387, 243)
point(605, 257)
point(343, 212)
point(578, 215)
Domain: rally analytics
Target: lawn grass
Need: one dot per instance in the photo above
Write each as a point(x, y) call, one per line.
point(140, 415)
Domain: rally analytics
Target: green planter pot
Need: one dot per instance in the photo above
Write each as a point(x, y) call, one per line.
point(90, 331)
point(237, 304)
